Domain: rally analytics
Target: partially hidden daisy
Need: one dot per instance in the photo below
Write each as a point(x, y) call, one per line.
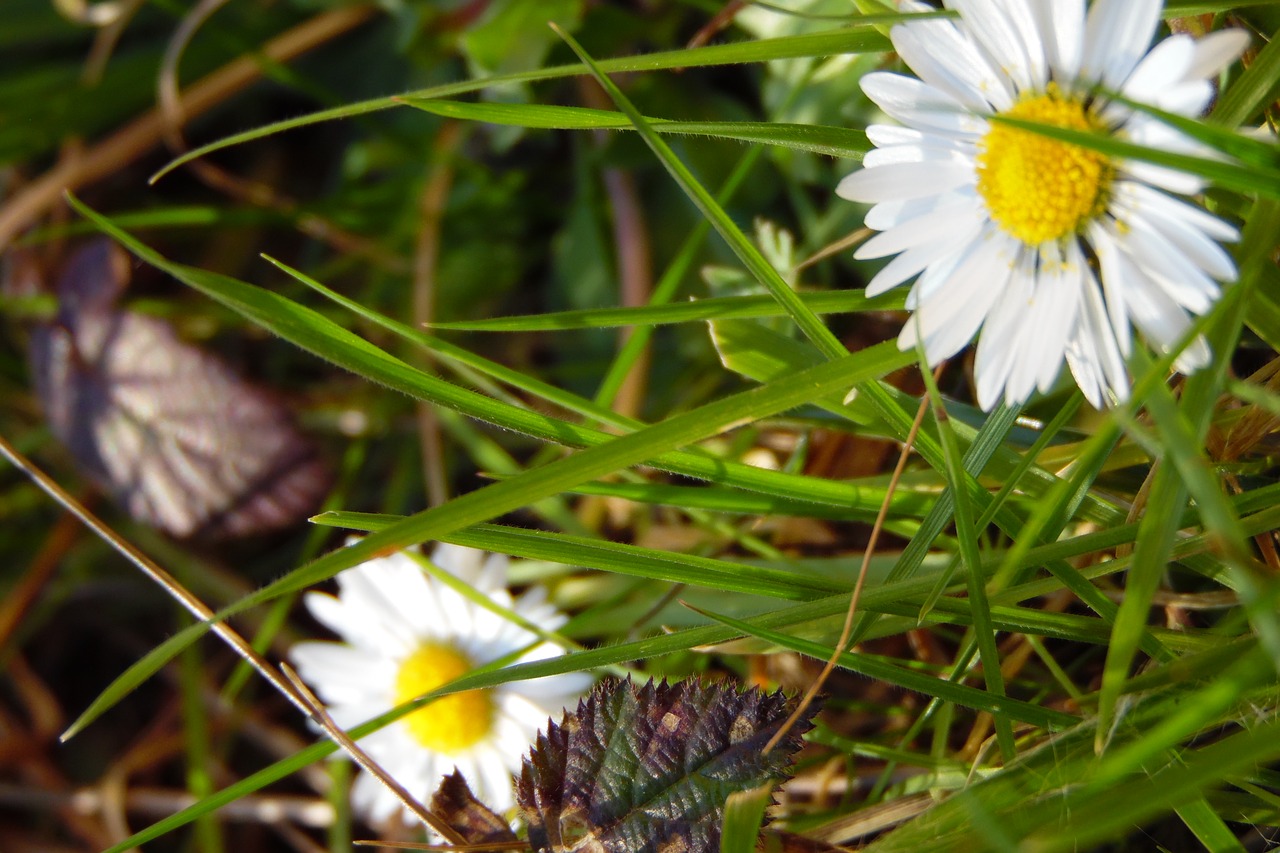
point(405, 633)
point(1053, 250)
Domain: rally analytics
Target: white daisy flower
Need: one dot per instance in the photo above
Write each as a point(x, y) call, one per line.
point(406, 633)
point(1051, 248)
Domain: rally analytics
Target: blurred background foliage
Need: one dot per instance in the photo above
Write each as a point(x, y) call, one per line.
point(429, 219)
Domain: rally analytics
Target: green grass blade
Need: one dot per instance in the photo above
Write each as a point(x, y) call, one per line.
point(321, 336)
point(743, 817)
point(812, 327)
point(700, 310)
point(860, 38)
point(571, 662)
point(551, 479)
point(1243, 178)
point(1150, 557)
point(819, 139)
point(1208, 828)
point(967, 536)
point(616, 557)
point(1253, 91)
point(925, 684)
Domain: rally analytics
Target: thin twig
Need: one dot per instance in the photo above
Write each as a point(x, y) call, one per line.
point(170, 584)
point(468, 848)
point(322, 718)
point(846, 632)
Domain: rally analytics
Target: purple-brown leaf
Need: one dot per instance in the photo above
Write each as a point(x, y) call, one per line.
point(470, 818)
point(650, 768)
point(167, 429)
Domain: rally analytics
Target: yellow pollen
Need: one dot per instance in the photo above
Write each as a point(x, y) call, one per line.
point(1038, 188)
point(447, 725)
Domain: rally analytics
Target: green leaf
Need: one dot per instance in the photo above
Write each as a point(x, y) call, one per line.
point(513, 37)
point(971, 556)
point(321, 336)
point(1209, 828)
point(1150, 558)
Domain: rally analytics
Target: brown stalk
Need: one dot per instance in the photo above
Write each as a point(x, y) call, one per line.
point(631, 246)
point(846, 633)
point(426, 262)
point(145, 132)
point(27, 590)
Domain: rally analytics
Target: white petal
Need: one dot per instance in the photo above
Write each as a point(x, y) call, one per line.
point(1192, 244)
point(1028, 34)
point(342, 673)
point(950, 319)
point(1165, 65)
point(495, 779)
point(919, 105)
point(493, 574)
point(1116, 269)
point(1153, 202)
point(937, 225)
point(1165, 323)
point(1008, 34)
point(884, 135)
point(945, 59)
point(915, 260)
point(461, 562)
point(1216, 51)
point(1065, 291)
point(1186, 99)
point(1117, 34)
point(905, 180)
point(369, 593)
point(894, 154)
point(370, 798)
point(998, 344)
point(1092, 354)
point(1162, 261)
point(1195, 356)
point(938, 274)
point(1181, 183)
point(1050, 316)
point(889, 135)
point(888, 214)
point(1061, 25)
point(359, 624)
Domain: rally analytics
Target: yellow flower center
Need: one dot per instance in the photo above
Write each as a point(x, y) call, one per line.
point(1038, 188)
point(453, 723)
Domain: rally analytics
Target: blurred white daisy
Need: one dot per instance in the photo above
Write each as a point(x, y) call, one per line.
point(1051, 248)
point(405, 633)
